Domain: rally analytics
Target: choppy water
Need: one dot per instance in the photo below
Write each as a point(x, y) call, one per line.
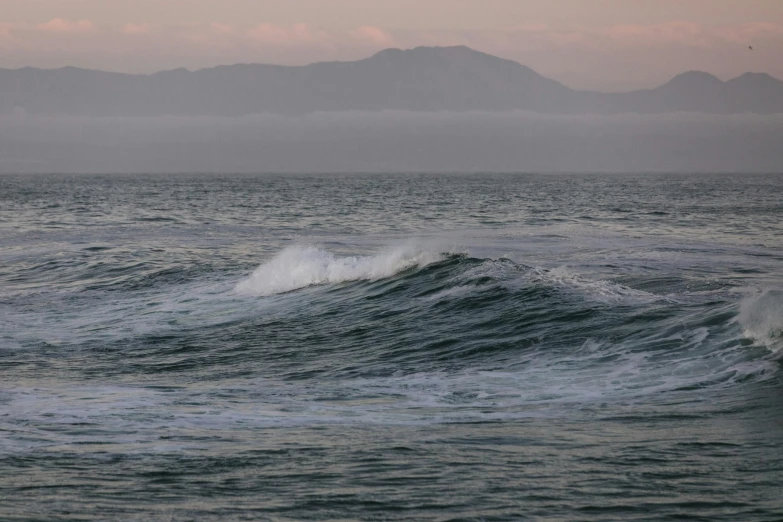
point(422, 347)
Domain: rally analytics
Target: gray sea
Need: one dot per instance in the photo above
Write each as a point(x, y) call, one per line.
point(391, 347)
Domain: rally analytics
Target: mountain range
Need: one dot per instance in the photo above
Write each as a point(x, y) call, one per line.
point(428, 79)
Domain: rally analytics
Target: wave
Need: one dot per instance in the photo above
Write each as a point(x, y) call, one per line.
point(458, 312)
point(299, 267)
point(302, 266)
point(435, 311)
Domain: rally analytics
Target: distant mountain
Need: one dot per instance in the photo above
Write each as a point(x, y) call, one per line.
point(421, 79)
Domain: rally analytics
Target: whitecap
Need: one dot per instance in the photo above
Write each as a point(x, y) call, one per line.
point(302, 266)
point(761, 317)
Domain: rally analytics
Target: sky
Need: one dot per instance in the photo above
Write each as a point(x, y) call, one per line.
point(609, 45)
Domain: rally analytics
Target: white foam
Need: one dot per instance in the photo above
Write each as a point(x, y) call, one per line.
point(761, 316)
point(302, 266)
point(596, 289)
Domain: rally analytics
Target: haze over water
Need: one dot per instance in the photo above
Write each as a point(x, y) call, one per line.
point(386, 347)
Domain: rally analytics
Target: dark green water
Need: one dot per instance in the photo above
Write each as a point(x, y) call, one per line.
point(391, 347)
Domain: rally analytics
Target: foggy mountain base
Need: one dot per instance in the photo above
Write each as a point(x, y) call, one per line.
point(393, 141)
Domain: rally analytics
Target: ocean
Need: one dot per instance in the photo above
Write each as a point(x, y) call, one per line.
point(391, 347)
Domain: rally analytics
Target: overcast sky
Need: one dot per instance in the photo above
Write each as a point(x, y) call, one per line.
point(601, 44)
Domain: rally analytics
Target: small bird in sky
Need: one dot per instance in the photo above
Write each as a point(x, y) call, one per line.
point(750, 47)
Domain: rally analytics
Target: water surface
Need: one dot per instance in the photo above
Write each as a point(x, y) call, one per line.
point(388, 347)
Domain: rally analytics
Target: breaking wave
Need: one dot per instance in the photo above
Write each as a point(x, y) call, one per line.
point(302, 266)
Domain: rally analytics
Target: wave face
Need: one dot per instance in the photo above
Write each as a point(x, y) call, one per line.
point(352, 347)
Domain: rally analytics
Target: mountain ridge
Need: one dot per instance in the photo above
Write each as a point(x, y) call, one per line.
point(427, 79)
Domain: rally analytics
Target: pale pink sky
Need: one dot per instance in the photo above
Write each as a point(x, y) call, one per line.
point(602, 44)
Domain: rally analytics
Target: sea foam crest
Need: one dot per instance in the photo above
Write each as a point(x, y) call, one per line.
point(302, 266)
point(762, 317)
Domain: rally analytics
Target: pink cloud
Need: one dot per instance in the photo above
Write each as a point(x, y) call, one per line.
point(136, 29)
point(750, 32)
point(61, 25)
point(222, 28)
point(374, 36)
point(675, 33)
point(671, 33)
point(7, 39)
point(288, 36)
